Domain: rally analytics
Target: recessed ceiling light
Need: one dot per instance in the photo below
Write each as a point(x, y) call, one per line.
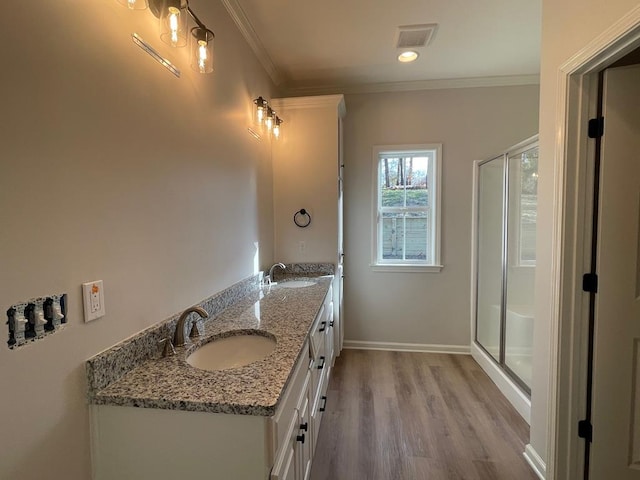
point(408, 56)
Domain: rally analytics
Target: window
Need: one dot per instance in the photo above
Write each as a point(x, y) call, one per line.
point(407, 208)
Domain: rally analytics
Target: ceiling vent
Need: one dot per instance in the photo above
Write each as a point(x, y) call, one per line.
point(415, 36)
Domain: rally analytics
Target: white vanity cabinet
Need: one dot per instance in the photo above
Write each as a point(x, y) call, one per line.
point(163, 444)
point(321, 340)
point(296, 449)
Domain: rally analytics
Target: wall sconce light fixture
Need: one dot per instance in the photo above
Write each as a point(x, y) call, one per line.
point(173, 16)
point(266, 116)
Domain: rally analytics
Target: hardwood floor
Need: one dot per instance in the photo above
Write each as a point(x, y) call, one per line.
point(413, 416)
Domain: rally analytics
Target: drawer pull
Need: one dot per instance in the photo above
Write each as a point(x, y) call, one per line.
point(323, 327)
point(324, 404)
point(300, 438)
point(323, 360)
point(304, 426)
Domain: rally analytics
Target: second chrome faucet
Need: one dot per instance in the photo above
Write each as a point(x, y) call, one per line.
point(268, 279)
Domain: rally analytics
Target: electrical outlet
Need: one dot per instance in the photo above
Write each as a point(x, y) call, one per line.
point(93, 298)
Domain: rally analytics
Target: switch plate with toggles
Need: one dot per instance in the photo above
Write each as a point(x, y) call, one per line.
point(93, 299)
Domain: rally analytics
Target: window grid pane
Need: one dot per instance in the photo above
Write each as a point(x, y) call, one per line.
point(407, 236)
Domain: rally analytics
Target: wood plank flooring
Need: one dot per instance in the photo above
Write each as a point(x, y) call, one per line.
point(413, 416)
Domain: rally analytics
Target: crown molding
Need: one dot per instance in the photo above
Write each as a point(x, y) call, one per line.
point(496, 81)
point(333, 101)
point(248, 32)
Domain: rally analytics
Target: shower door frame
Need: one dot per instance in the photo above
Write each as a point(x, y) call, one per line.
point(500, 363)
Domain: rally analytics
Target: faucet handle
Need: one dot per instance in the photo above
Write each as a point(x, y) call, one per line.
point(168, 349)
point(194, 333)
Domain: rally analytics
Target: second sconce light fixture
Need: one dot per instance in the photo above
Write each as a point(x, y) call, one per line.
point(266, 116)
point(173, 16)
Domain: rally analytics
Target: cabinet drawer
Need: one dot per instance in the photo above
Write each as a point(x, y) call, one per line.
point(316, 338)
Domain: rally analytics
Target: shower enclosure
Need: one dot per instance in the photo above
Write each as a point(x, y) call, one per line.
point(505, 260)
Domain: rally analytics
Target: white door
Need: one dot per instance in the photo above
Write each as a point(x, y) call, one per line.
point(615, 450)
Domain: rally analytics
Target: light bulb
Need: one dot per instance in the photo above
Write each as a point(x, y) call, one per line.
point(174, 22)
point(202, 56)
point(269, 122)
point(260, 114)
point(276, 126)
point(131, 4)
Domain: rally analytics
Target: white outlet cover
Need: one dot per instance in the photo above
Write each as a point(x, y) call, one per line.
point(93, 300)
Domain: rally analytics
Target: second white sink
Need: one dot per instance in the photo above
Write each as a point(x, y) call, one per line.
point(297, 284)
point(231, 352)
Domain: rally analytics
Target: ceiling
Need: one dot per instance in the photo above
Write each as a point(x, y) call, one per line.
point(350, 45)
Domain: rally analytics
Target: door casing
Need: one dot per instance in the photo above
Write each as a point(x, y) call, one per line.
point(573, 174)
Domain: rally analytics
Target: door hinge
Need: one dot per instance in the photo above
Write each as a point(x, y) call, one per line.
point(596, 127)
point(585, 430)
point(590, 283)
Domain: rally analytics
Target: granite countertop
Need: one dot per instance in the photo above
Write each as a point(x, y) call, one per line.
point(255, 389)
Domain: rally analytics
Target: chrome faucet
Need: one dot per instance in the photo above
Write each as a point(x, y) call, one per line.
point(269, 278)
point(178, 336)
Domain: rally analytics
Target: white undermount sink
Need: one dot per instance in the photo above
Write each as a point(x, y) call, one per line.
point(231, 352)
point(297, 284)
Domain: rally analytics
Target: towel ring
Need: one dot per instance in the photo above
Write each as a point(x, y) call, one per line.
point(302, 218)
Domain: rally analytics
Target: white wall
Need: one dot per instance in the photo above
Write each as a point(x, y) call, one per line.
point(111, 168)
point(567, 27)
point(472, 124)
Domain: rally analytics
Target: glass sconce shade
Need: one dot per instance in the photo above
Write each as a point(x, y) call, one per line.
point(202, 49)
point(277, 127)
point(173, 23)
point(133, 4)
point(261, 110)
point(269, 120)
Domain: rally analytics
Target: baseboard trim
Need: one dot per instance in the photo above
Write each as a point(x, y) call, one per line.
point(407, 347)
point(509, 389)
point(535, 461)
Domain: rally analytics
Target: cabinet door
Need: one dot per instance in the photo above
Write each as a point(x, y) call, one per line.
point(285, 466)
point(304, 446)
point(329, 333)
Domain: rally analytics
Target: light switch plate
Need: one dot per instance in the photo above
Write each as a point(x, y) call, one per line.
point(93, 299)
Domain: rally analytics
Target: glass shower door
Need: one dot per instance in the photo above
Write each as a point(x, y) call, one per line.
point(521, 261)
point(507, 203)
point(490, 223)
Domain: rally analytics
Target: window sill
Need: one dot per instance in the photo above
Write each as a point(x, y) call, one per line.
point(395, 268)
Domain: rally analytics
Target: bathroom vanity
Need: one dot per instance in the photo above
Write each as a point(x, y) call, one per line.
point(165, 419)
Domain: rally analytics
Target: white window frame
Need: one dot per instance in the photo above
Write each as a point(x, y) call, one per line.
point(434, 176)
